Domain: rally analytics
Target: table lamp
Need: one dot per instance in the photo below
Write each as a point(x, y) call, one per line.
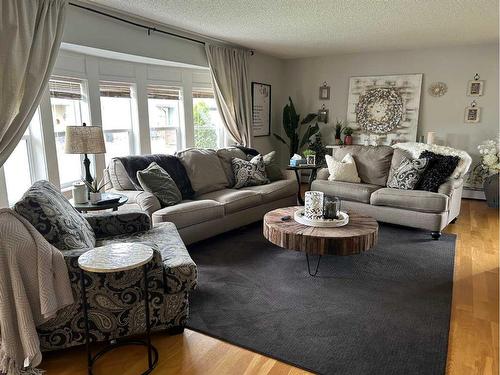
point(85, 140)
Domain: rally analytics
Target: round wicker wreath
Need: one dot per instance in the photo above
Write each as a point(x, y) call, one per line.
point(379, 110)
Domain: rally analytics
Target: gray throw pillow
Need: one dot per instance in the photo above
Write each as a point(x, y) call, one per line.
point(249, 173)
point(407, 175)
point(273, 170)
point(154, 179)
point(55, 218)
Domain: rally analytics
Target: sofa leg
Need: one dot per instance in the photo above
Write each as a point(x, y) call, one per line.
point(454, 220)
point(176, 330)
point(435, 235)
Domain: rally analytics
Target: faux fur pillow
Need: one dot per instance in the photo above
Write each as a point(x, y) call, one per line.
point(440, 168)
point(408, 174)
point(344, 170)
point(249, 173)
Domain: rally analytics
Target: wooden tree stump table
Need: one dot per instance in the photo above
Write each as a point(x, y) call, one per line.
point(359, 235)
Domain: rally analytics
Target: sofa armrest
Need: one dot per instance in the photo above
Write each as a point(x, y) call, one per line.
point(322, 174)
point(288, 174)
point(146, 201)
point(450, 186)
point(119, 222)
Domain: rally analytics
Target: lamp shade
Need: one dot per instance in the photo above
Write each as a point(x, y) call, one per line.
point(84, 140)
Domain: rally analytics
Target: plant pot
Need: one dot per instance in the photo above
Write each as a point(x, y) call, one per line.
point(337, 141)
point(490, 187)
point(348, 140)
point(95, 197)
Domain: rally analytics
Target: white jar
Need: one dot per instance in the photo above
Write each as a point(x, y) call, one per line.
point(79, 192)
point(313, 205)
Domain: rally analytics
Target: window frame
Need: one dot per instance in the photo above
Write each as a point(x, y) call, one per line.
point(222, 134)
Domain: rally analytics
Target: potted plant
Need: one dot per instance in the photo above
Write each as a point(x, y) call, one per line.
point(339, 126)
point(489, 169)
point(310, 156)
point(94, 188)
point(348, 135)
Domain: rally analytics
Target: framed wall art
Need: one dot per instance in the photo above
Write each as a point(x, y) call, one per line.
point(475, 88)
point(261, 109)
point(385, 107)
point(472, 113)
point(324, 92)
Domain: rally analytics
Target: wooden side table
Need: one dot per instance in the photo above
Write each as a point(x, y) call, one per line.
point(86, 207)
point(312, 177)
point(116, 258)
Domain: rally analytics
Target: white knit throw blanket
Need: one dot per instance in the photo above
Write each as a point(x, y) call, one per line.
point(34, 285)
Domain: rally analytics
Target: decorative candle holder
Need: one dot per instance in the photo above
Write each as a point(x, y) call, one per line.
point(313, 206)
point(331, 207)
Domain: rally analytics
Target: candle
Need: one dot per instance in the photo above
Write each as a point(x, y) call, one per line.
point(430, 137)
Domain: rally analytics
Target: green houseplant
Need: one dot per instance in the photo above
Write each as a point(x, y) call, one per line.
point(339, 127)
point(348, 135)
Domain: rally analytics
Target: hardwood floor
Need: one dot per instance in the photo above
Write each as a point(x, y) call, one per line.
point(473, 340)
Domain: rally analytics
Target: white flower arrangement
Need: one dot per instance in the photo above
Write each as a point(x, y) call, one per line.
point(490, 156)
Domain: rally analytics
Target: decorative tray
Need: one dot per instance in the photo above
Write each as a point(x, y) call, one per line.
point(322, 223)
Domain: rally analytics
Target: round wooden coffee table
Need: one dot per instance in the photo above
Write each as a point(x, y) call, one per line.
point(359, 235)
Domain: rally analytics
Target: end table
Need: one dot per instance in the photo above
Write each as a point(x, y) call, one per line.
point(85, 207)
point(312, 176)
point(116, 258)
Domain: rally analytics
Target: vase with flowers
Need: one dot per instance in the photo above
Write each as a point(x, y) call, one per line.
point(489, 169)
point(348, 135)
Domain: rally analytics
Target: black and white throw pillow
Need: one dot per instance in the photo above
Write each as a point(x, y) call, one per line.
point(249, 173)
point(407, 175)
point(440, 168)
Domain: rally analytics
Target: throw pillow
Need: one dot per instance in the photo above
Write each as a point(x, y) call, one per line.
point(440, 168)
point(204, 170)
point(344, 170)
point(408, 174)
point(156, 180)
point(55, 218)
point(273, 170)
point(249, 173)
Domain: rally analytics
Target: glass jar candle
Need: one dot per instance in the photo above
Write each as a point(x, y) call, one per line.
point(331, 207)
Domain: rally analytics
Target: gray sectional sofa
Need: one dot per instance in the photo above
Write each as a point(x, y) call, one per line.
point(413, 208)
point(215, 207)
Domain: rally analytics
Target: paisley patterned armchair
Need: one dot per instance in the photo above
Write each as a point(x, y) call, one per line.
point(115, 300)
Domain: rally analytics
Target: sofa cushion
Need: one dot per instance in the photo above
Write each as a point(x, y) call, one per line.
point(275, 190)
point(119, 176)
point(156, 180)
point(226, 155)
point(373, 162)
point(344, 170)
point(204, 170)
point(273, 170)
point(397, 157)
point(171, 164)
point(55, 218)
point(249, 173)
point(414, 200)
point(440, 168)
point(234, 200)
point(189, 213)
point(408, 174)
point(346, 190)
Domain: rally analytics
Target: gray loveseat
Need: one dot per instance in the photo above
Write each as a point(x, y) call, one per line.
point(413, 208)
point(215, 207)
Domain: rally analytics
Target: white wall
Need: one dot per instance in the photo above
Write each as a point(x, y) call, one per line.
point(445, 115)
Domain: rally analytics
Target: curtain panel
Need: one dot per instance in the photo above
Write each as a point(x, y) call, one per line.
point(30, 36)
point(229, 74)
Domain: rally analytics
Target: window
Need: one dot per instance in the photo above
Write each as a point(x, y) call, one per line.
point(68, 100)
point(164, 121)
point(18, 169)
point(208, 129)
point(116, 109)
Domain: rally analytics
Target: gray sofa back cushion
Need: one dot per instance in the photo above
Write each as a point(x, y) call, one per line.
point(132, 164)
point(55, 218)
point(373, 162)
point(204, 169)
point(226, 155)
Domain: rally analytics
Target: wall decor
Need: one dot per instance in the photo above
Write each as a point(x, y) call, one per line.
point(475, 87)
point(472, 113)
point(323, 114)
point(438, 89)
point(324, 92)
point(384, 106)
point(261, 109)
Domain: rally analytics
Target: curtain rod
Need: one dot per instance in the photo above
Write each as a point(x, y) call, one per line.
point(148, 28)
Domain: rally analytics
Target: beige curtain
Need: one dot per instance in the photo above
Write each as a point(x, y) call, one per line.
point(229, 73)
point(30, 36)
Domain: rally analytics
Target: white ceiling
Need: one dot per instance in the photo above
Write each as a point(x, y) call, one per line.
point(301, 28)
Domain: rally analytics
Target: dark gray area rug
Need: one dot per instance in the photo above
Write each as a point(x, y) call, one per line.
point(386, 311)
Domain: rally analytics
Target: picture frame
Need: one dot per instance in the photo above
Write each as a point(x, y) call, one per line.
point(261, 109)
point(475, 88)
point(323, 115)
point(324, 92)
point(472, 114)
